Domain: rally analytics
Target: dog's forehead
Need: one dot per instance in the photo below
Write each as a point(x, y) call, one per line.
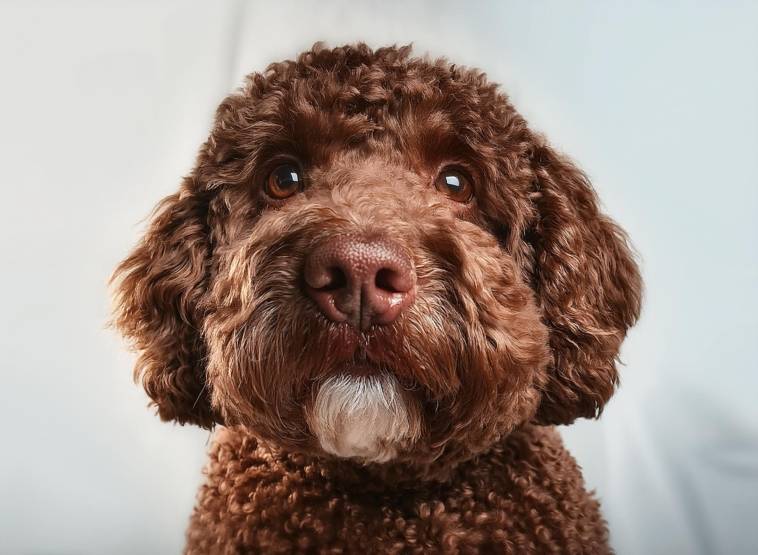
point(426, 112)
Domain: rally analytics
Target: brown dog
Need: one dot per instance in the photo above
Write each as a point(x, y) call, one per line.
point(387, 289)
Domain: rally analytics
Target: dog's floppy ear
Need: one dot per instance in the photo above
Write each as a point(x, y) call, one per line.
point(159, 289)
point(588, 285)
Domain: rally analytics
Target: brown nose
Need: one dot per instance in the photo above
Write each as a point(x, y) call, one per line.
point(360, 281)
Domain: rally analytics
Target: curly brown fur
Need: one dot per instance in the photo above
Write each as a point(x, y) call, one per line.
point(523, 297)
point(525, 495)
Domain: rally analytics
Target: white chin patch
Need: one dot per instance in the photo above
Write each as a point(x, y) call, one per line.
point(361, 416)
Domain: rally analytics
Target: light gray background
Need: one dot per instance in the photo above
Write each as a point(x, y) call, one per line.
point(103, 106)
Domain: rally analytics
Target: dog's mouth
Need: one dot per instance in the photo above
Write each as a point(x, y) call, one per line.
point(360, 353)
point(361, 369)
point(362, 404)
point(362, 411)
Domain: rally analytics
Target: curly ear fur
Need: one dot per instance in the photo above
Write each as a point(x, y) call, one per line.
point(158, 292)
point(589, 287)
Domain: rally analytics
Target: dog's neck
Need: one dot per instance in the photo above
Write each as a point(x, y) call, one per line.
point(404, 474)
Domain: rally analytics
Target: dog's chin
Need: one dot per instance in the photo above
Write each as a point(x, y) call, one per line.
point(362, 415)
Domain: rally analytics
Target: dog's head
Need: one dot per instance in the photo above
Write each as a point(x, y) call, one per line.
point(375, 257)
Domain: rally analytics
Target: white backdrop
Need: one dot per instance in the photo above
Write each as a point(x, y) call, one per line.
point(103, 106)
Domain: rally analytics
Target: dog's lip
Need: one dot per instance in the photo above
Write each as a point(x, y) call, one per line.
point(360, 368)
point(360, 353)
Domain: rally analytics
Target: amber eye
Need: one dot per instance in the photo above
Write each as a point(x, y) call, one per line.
point(284, 181)
point(455, 185)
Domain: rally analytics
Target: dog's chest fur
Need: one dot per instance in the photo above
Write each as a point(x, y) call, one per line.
point(525, 496)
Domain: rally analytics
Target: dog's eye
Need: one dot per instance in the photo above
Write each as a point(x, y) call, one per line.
point(284, 182)
point(455, 185)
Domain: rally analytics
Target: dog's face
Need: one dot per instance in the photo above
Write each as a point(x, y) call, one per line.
point(376, 258)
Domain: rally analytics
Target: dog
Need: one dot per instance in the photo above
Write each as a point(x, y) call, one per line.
point(384, 290)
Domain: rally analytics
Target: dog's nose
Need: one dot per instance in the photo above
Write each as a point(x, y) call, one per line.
point(361, 281)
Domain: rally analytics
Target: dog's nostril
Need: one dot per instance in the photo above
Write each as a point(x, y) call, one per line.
point(336, 279)
point(387, 280)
